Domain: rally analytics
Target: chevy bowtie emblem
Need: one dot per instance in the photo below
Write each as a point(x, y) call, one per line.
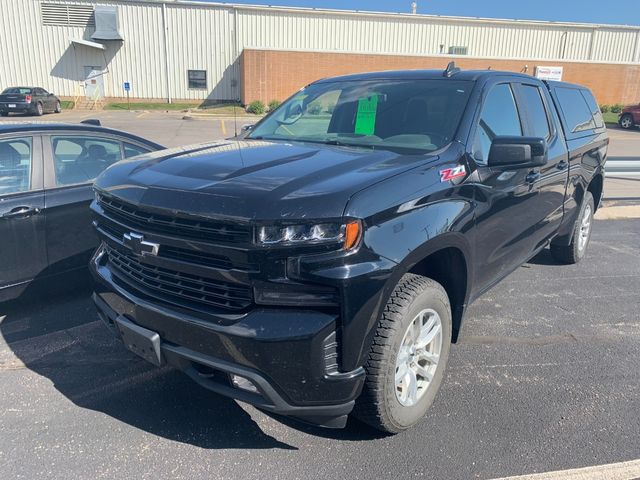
point(139, 245)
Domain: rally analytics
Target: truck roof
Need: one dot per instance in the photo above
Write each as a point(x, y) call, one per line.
point(471, 75)
point(555, 83)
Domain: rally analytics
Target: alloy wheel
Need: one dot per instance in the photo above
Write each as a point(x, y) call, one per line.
point(418, 357)
point(585, 228)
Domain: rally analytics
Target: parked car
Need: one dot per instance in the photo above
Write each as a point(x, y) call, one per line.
point(629, 117)
point(33, 100)
point(323, 264)
point(46, 172)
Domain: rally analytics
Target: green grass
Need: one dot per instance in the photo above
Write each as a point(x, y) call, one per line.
point(223, 108)
point(66, 104)
point(610, 117)
point(150, 106)
point(213, 108)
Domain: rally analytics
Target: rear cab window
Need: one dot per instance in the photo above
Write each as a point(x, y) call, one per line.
point(579, 111)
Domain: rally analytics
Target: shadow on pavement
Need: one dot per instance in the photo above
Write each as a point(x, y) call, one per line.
point(61, 339)
point(544, 257)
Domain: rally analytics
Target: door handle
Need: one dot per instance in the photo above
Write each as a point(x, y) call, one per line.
point(532, 177)
point(21, 212)
point(562, 165)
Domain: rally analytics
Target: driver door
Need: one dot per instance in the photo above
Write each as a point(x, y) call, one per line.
point(507, 217)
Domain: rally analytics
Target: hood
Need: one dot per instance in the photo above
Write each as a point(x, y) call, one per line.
point(254, 180)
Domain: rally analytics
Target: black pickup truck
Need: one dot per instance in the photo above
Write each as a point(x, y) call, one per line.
point(322, 264)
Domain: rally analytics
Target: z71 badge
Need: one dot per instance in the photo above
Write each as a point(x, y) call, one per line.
point(451, 173)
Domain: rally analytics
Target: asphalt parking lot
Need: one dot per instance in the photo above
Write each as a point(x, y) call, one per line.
point(546, 377)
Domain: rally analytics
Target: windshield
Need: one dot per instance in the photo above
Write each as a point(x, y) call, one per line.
point(389, 114)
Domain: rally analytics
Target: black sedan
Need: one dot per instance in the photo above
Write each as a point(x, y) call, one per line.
point(34, 100)
point(46, 177)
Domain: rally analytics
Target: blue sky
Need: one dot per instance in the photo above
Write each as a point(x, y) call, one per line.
point(626, 12)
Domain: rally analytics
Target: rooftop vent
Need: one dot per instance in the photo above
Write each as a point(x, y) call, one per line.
point(66, 15)
point(107, 26)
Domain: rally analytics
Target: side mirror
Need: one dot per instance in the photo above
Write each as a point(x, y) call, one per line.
point(246, 128)
point(512, 153)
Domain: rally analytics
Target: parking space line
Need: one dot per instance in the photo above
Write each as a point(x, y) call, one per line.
point(613, 471)
point(141, 114)
point(223, 126)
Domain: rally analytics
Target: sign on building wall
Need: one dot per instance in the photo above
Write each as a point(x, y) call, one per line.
point(549, 73)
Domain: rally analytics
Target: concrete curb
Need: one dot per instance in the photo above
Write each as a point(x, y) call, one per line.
point(618, 212)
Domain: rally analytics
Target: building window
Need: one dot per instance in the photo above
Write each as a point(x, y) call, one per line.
point(458, 50)
point(197, 79)
point(67, 15)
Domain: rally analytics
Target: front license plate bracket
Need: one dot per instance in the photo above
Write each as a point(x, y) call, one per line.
point(141, 341)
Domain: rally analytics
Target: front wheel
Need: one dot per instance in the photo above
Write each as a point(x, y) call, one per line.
point(408, 357)
point(626, 121)
point(4, 114)
point(575, 251)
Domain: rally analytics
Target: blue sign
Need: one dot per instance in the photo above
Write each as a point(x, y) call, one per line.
point(127, 86)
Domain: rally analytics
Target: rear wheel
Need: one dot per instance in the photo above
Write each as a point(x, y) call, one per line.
point(39, 109)
point(408, 357)
point(575, 251)
point(58, 108)
point(626, 121)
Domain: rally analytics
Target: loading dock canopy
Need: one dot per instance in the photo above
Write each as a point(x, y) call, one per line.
point(87, 43)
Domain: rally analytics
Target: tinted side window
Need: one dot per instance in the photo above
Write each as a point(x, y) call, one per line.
point(81, 159)
point(595, 110)
point(15, 165)
point(499, 117)
point(537, 113)
point(575, 110)
point(131, 150)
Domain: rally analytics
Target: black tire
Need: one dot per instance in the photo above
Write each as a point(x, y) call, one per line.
point(39, 110)
point(58, 108)
point(626, 121)
point(379, 405)
point(4, 114)
point(575, 251)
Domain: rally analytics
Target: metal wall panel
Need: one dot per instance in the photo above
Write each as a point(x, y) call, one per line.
point(211, 36)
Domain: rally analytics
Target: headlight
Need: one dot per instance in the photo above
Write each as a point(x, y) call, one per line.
point(346, 233)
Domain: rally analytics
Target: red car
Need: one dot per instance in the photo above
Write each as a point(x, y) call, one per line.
point(630, 116)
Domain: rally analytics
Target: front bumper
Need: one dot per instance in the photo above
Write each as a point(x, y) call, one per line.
point(288, 354)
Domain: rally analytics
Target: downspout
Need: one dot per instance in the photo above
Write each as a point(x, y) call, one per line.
point(591, 43)
point(236, 55)
point(563, 45)
point(166, 50)
point(636, 49)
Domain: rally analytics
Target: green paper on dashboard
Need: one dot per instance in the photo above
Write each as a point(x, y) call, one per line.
point(366, 115)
